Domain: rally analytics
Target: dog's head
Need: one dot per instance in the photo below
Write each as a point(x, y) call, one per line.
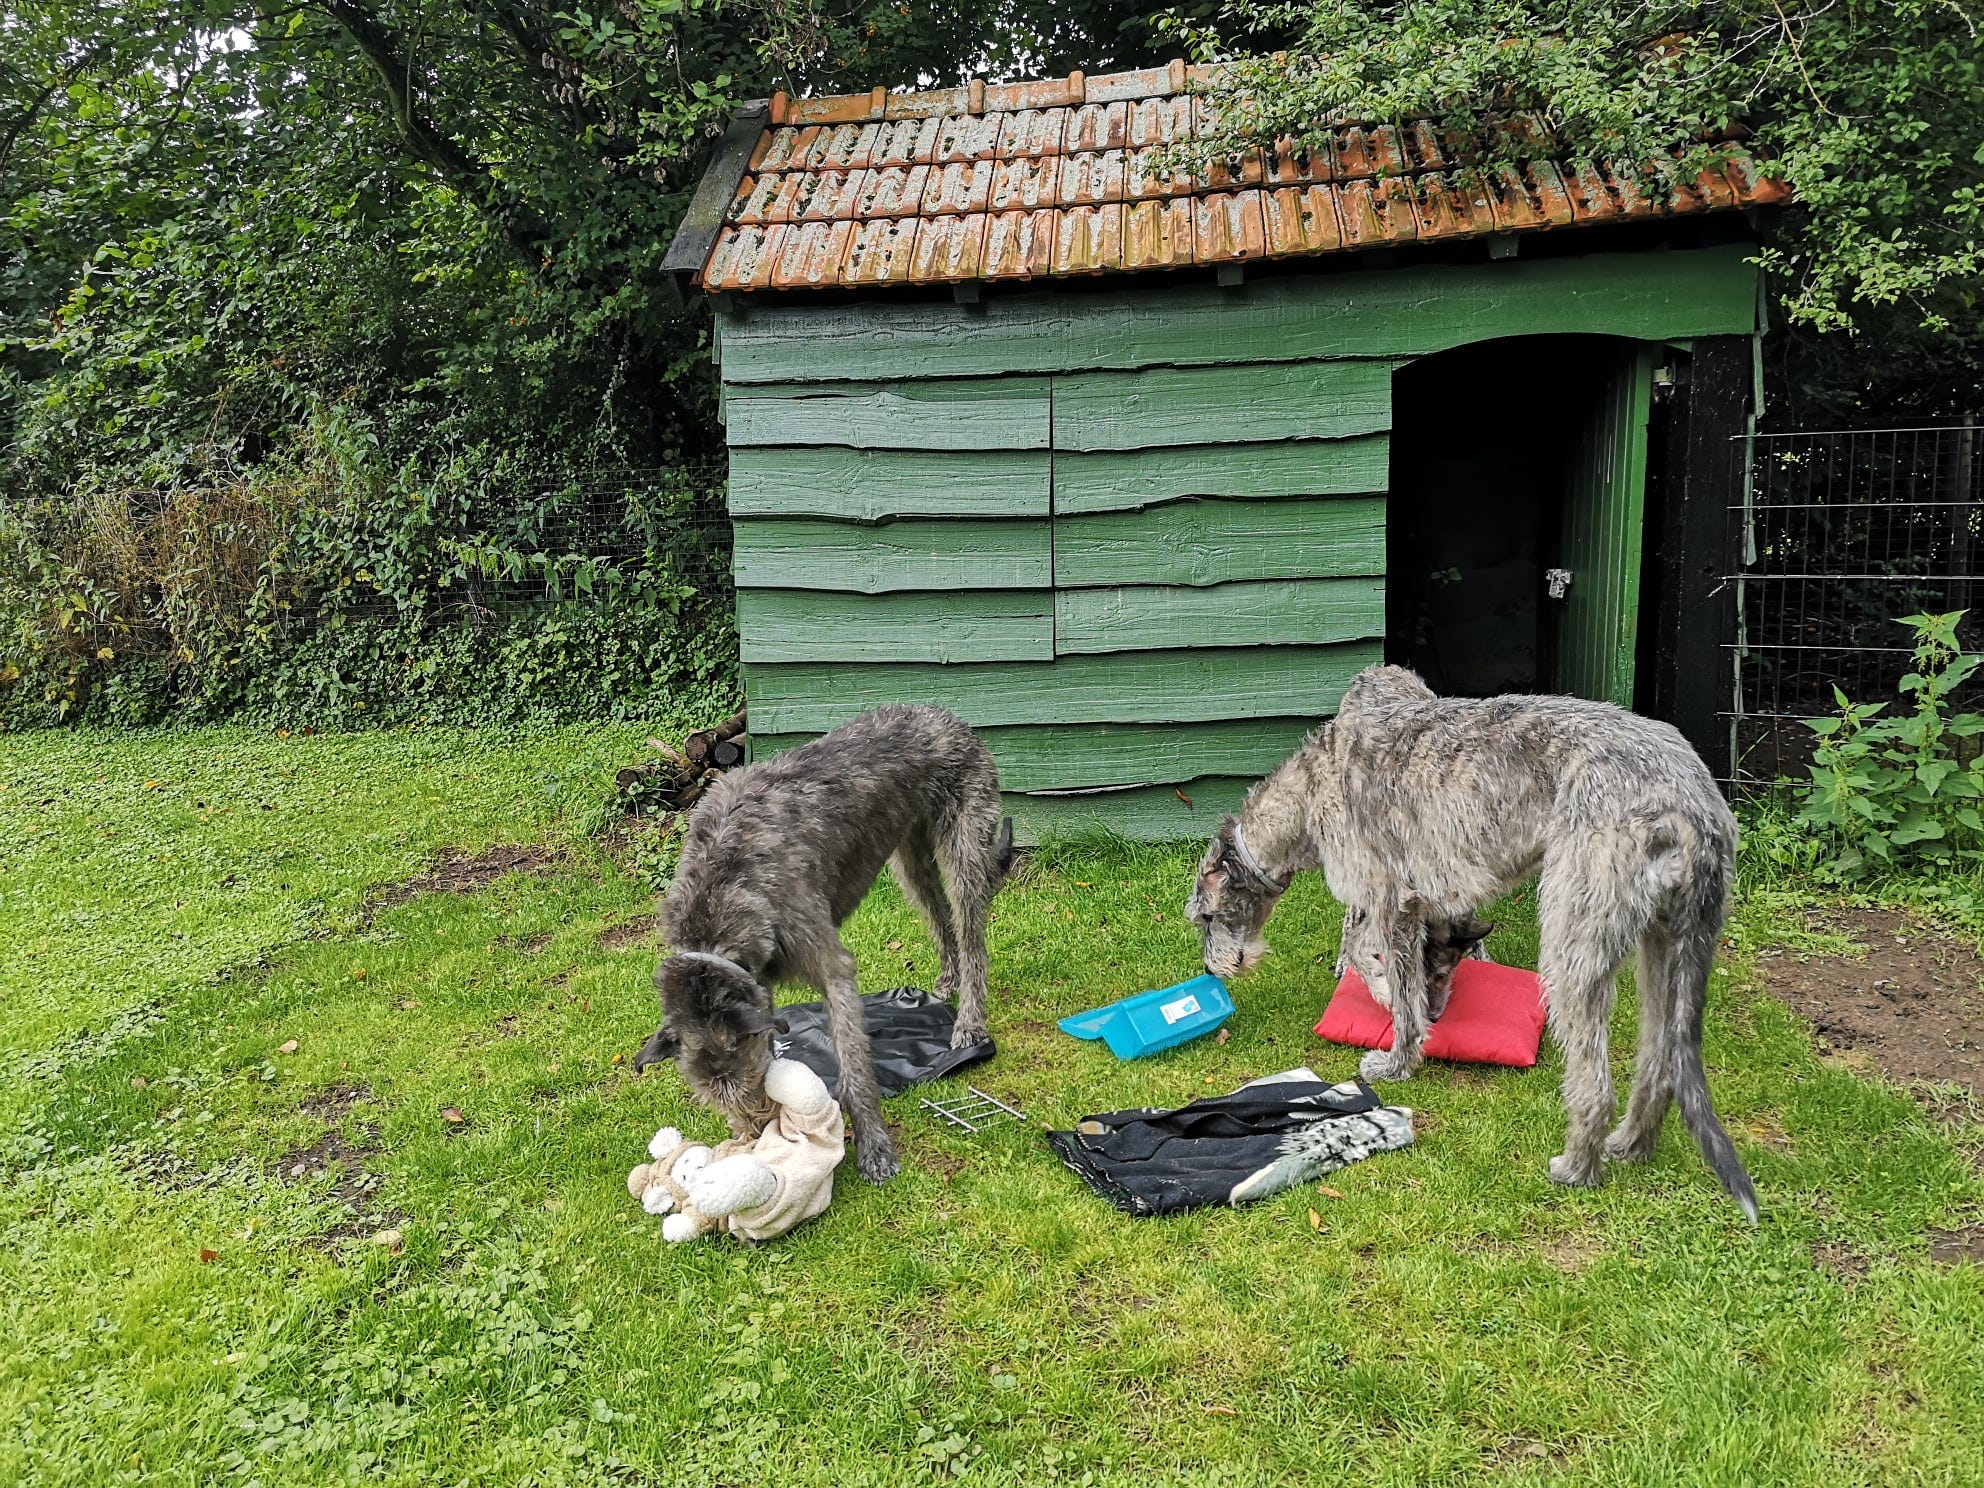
point(717, 1025)
point(1444, 953)
point(1230, 903)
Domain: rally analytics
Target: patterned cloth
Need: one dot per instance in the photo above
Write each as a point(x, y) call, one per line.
point(1231, 1149)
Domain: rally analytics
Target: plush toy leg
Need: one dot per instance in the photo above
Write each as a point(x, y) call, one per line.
point(795, 1087)
point(740, 1182)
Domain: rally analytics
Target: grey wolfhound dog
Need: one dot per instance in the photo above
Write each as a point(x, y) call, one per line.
point(1419, 808)
point(778, 855)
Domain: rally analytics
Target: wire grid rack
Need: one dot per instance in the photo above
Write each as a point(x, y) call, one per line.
point(972, 1112)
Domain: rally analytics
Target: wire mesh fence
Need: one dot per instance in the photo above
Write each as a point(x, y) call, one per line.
point(1838, 535)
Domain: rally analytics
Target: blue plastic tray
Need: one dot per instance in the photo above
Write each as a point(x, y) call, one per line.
point(1152, 1021)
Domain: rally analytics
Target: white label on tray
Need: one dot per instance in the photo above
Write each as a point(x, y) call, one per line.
point(1184, 1007)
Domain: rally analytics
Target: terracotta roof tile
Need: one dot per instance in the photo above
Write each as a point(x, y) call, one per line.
point(1075, 175)
point(1530, 199)
point(1145, 174)
point(1032, 133)
point(966, 137)
point(1158, 234)
point(1300, 219)
point(1093, 177)
point(1098, 126)
point(881, 252)
point(948, 249)
point(1018, 245)
point(1449, 204)
point(1026, 183)
point(1228, 228)
point(891, 191)
point(1088, 240)
point(1376, 213)
point(844, 147)
point(810, 254)
point(959, 186)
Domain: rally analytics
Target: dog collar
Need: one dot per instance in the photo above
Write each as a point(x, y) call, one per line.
point(715, 960)
point(1253, 865)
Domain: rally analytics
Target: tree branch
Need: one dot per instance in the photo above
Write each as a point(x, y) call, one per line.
point(391, 59)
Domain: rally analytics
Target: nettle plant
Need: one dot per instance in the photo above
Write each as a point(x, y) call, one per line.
point(1899, 788)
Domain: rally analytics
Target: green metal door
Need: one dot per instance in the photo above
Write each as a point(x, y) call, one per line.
point(1604, 518)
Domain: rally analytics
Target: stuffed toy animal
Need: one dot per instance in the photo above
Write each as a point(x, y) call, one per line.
point(755, 1190)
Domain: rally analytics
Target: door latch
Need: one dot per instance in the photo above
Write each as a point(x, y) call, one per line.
point(1557, 581)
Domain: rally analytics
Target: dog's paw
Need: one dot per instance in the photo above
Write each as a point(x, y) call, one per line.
point(877, 1161)
point(964, 1035)
point(1384, 1064)
point(1572, 1174)
point(1622, 1146)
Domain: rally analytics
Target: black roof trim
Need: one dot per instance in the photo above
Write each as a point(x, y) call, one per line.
point(694, 238)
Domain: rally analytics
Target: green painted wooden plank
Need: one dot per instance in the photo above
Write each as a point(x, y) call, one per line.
point(1253, 403)
point(1277, 612)
point(1217, 542)
point(1079, 756)
point(1125, 480)
point(984, 414)
point(876, 485)
point(1133, 687)
point(1398, 313)
point(804, 625)
point(1157, 813)
point(942, 553)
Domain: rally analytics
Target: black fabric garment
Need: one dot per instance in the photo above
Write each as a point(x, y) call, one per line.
point(909, 1032)
point(1231, 1148)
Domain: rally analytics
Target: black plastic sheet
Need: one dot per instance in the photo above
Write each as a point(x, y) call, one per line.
point(909, 1034)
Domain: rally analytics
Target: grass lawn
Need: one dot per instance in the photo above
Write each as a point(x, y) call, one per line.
point(189, 1291)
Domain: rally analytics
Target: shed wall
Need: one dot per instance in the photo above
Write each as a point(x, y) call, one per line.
point(1136, 538)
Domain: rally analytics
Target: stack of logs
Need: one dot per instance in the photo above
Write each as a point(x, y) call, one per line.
point(677, 780)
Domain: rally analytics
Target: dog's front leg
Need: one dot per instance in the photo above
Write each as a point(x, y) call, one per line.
point(1405, 955)
point(876, 1159)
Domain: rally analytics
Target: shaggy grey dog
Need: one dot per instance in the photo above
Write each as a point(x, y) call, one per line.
point(1418, 808)
point(777, 856)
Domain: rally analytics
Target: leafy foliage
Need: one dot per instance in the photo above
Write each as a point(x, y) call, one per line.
point(344, 288)
point(1873, 113)
point(1903, 788)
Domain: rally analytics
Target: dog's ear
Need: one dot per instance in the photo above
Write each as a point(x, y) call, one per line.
point(1409, 901)
point(664, 1045)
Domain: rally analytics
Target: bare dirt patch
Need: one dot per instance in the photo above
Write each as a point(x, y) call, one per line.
point(524, 945)
point(346, 1163)
point(463, 872)
point(1957, 1247)
point(1912, 1005)
point(643, 932)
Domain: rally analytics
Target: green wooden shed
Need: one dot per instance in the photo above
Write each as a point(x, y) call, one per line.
point(1136, 469)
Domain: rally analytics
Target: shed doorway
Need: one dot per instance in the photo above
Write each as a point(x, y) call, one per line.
point(1511, 459)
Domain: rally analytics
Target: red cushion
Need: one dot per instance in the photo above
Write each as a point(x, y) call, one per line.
point(1495, 1016)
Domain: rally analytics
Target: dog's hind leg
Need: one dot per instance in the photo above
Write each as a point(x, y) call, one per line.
point(858, 1094)
point(1653, 1071)
point(975, 850)
point(916, 871)
point(1589, 922)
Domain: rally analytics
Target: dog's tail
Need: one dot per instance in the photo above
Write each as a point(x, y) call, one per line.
point(1002, 849)
point(1694, 957)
